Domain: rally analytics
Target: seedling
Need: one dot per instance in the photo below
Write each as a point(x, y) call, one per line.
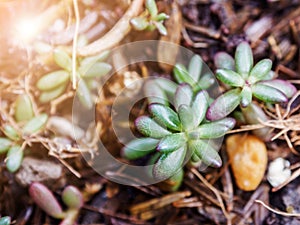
point(54, 84)
point(178, 134)
point(150, 19)
point(45, 199)
point(245, 82)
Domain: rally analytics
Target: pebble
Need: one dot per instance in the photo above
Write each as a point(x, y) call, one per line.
point(248, 157)
point(278, 172)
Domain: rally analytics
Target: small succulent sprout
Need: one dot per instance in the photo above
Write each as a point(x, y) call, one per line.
point(99, 69)
point(173, 183)
point(72, 197)
point(62, 59)
point(176, 134)
point(5, 144)
point(5, 220)
point(11, 133)
point(14, 158)
point(248, 81)
point(84, 94)
point(35, 125)
point(47, 96)
point(23, 108)
point(154, 93)
point(194, 75)
point(45, 199)
point(150, 19)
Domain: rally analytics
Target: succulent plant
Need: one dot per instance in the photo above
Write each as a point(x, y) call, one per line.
point(53, 84)
point(13, 140)
point(246, 81)
point(178, 134)
point(194, 75)
point(45, 199)
point(150, 19)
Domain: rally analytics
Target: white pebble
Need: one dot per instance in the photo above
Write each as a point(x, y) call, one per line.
point(278, 172)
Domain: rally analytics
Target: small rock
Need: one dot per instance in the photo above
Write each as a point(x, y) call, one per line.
point(38, 170)
point(248, 157)
point(278, 172)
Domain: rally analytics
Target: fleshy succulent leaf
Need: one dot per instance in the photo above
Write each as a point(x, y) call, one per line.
point(215, 129)
point(205, 152)
point(5, 220)
point(186, 116)
point(62, 59)
point(35, 125)
point(224, 105)
point(168, 86)
point(243, 59)
point(205, 82)
point(99, 69)
point(139, 23)
point(53, 80)
point(183, 95)
point(161, 17)
point(195, 67)
point(267, 93)
point(199, 106)
point(165, 116)
point(230, 77)
point(72, 197)
point(161, 28)
point(138, 148)
point(84, 95)
point(11, 133)
point(182, 75)
point(246, 96)
point(5, 144)
point(151, 6)
point(223, 60)
point(14, 158)
point(168, 164)
point(260, 71)
point(171, 142)
point(45, 199)
point(149, 128)
point(23, 108)
point(154, 93)
point(284, 86)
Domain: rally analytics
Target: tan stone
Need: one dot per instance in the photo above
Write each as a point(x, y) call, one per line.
point(248, 157)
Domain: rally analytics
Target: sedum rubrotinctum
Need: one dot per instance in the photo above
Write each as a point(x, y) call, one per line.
point(245, 81)
point(175, 135)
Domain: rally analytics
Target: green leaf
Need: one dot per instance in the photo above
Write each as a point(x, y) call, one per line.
point(47, 96)
point(214, 129)
point(284, 86)
point(5, 220)
point(199, 107)
point(84, 95)
point(173, 183)
point(195, 67)
point(53, 80)
point(224, 104)
point(36, 124)
point(14, 158)
point(62, 59)
point(230, 77)
point(139, 23)
point(89, 61)
point(149, 128)
point(168, 86)
point(267, 93)
point(23, 108)
point(11, 133)
point(223, 60)
point(5, 144)
point(138, 148)
point(152, 8)
point(165, 116)
point(161, 17)
point(183, 95)
point(186, 116)
point(45, 199)
point(246, 96)
point(99, 69)
point(171, 142)
point(243, 59)
point(72, 197)
point(205, 152)
point(169, 164)
point(154, 93)
point(260, 71)
point(182, 75)
point(205, 82)
point(161, 28)
point(270, 76)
